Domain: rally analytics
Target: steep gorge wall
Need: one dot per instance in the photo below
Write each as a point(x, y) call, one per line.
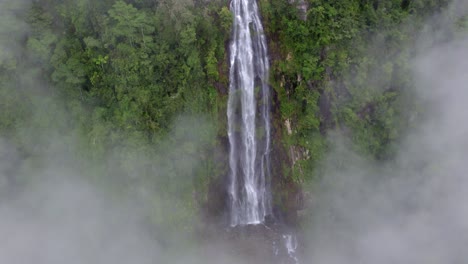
point(335, 66)
point(343, 67)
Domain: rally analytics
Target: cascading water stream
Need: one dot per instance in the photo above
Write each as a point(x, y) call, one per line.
point(249, 133)
point(249, 127)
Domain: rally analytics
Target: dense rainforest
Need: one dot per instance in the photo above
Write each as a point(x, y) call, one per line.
point(132, 95)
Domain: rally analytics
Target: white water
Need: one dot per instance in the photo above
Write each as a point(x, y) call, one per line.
point(248, 121)
point(290, 242)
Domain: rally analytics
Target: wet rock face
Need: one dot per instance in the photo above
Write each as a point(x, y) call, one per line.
point(261, 244)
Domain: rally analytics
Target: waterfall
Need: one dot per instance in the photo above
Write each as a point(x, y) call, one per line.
point(248, 115)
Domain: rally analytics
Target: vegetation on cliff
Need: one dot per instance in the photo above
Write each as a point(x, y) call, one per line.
point(344, 65)
point(133, 93)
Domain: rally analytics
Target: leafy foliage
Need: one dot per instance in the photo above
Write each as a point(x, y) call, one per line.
point(344, 65)
point(107, 80)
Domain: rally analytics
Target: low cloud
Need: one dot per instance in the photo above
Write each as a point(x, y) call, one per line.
point(412, 209)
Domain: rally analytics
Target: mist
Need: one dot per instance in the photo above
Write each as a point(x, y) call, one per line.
point(64, 220)
point(60, 203)
point(411, 209)
point(55, 209)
